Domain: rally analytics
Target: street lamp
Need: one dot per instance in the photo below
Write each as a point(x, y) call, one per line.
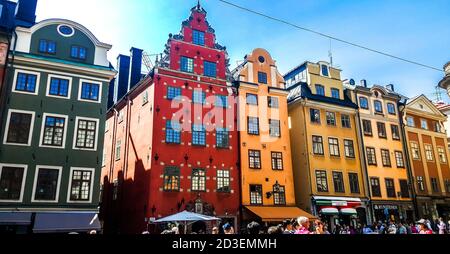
point(276, 189)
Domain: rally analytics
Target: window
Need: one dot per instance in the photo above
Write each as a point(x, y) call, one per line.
point(378, 106)
point(354, 182)
point(420, 183)
point(395, 132)
point(364, 102)
point(65, 30)
point(345, 121)
point(253, 125)
point(173, 93)
point(26, 83)
point(277, 161)
point(314, 115)
point(434, 184)
point(81, 184)
point(404, 189)
point(198, 97)
point(12, 179)
point(171, 179)
point(210, 69)
point(331, 118)
point(391, 108)
point(317, 145)
point(198, 180)
point(279, 195)
point(324, 71)
point(349, 149)
point(186, 64)
point(198, 135)
point(198, 37)
point(223, 181)
point(221, 101)
point(367, 127)
point(381, 130)
point(447, 185)
point(437, 127)
point(19, 127)
point(442, 156)
point(115, 191)
point(338, 181)
point(321, 181)
point(274, 128)
point(272, 102)
point(423, 124)
point(252, 99)
point(47, 47)
point(320, 90)
point(256, 194)
point(46, 184)
point(375, 184)
point(53, 131)
point(415, 151)
point(173, 132)
point(59, 87)
point(118, 148)
point(254, 159)
point(145, 97)
point(262, 77)
point(399, 159)
point(429, 152)
point(90, 91)
point(371, 156)
point(222, 138)
point(333, 145)
point(335, 93)
point(385, 158)
point(86, 134)
point(410, 121)
point(390, 188)
point(78, 52)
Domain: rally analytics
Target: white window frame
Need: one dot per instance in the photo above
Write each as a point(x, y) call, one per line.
point(413, 123)
point(77, 119)
point(320, 70)
point(24, 177)
point(30, 136)
point(69, 190)
point(69, 89)
point(80, 85)
point(58, 185)
point(44, 117)
point(422, 121)
point(38, 81)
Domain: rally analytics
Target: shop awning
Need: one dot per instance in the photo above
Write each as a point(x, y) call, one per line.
point(348, 211)
point(336, 201)
point(15, 218)
point(66, 222)
point(278, 213)
point(329, 211)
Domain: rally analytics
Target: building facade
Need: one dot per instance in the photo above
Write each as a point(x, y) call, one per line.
point(427, 144)
point(445, 82)
point(328, 175)
point(57, 83)
point(384, 153)
point(267, 184)
point(179, 150)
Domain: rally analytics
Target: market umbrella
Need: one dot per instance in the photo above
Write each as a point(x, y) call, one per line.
point(186, 217)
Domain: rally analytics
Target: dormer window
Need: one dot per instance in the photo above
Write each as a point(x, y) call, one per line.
point(47, 47)
point(198, 37)
point(324, 70)
point(78, 52)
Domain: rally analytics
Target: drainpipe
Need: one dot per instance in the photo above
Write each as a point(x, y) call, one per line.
point(238, 164)
point(402, 108)
point(313, 208)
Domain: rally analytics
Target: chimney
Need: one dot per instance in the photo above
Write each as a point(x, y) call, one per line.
point(364, 83)
point(121, 85)
point(136, 66)
point(27, 11)
point(390, 87)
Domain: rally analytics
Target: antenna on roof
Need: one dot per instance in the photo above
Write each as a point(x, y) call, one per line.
point(330, 55)
point(438, 94)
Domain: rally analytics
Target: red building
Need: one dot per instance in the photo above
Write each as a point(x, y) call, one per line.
point(152, 168)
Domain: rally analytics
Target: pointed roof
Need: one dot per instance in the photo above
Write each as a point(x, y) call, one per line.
point(424, 105)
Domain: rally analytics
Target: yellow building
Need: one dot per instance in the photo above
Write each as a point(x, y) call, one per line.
point(266, 167)
point(328, 175)
point(385, 159)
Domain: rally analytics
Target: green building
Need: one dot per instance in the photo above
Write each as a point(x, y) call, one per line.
point(52, 129)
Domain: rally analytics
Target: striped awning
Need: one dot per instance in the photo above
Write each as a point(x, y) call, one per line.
point(329, 211)
point(348, 211)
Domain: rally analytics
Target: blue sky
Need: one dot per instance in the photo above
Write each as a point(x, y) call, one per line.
point(413, 29)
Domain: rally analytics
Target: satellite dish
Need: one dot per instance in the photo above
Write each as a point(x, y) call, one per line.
point(349, 84)
point(352, 82)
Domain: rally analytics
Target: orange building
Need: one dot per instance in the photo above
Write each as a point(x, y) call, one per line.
point(267, 183)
